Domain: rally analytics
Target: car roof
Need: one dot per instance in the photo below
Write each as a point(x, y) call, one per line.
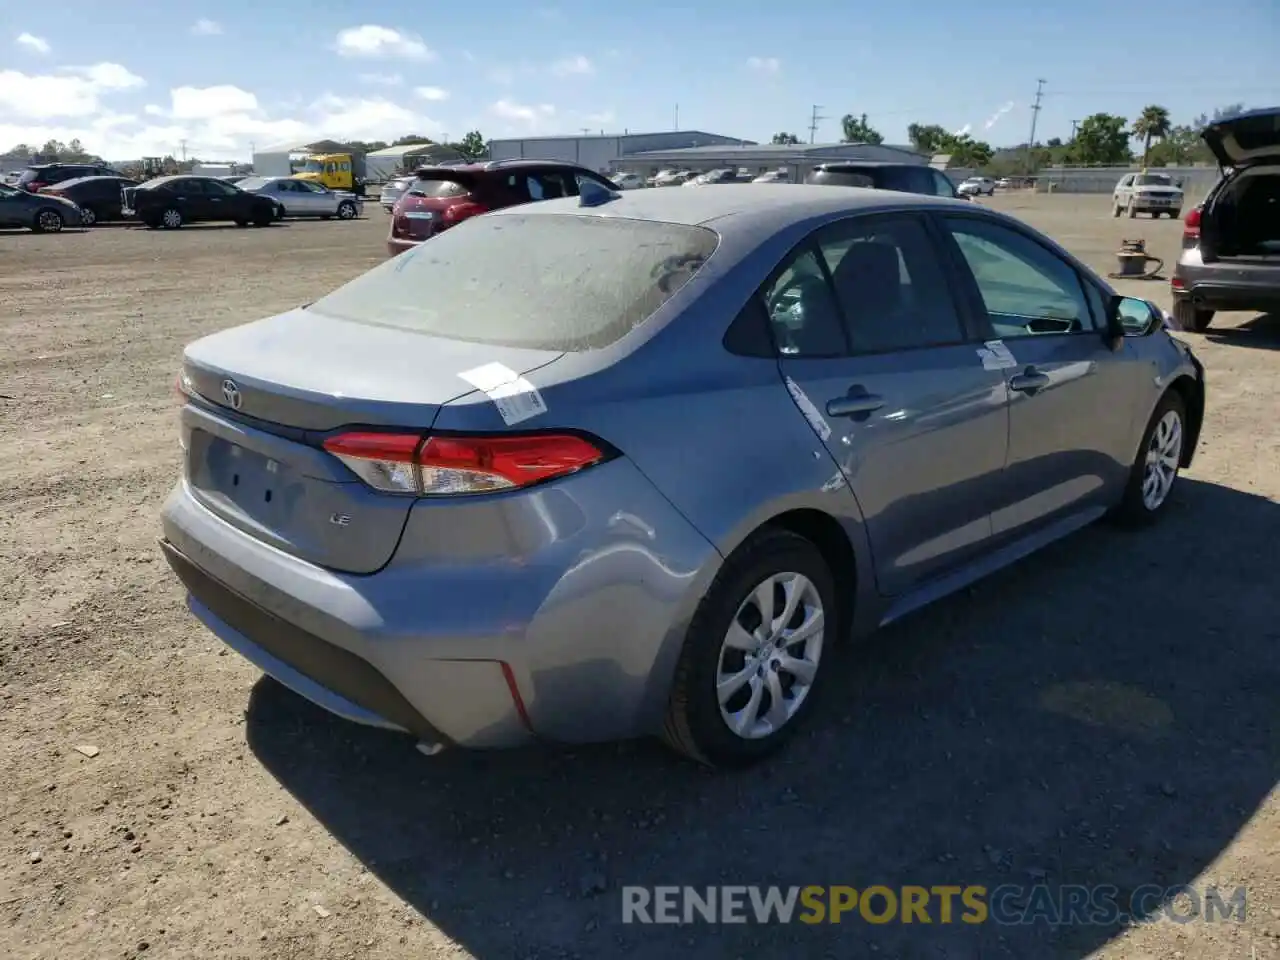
point(862, 164)
point(97, 176)
point(752, 206)
point(442, 172)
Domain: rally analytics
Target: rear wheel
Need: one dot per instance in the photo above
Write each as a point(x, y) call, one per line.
point(88, 216)
point(1188, 316)
point(47, 220)
point(1152, 476)
point(171, 219)
point(752, 658)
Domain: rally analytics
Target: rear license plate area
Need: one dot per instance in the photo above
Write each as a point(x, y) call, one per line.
point(244, 480)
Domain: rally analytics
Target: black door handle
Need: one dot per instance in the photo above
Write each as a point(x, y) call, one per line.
point(1029, 381)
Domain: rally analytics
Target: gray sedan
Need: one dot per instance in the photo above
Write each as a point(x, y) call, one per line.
point(634, 463)
point(38, 212)
point(300, 198)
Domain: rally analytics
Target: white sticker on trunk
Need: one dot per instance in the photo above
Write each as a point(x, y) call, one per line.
point(996, 356)
point(811, 413)
point(515, 397)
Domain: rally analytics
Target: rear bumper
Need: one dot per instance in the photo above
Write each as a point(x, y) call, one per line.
point(1225, 285)
point(396, 246)
point(558, 613)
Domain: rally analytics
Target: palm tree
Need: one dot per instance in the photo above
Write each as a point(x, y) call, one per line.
point(1154, 122)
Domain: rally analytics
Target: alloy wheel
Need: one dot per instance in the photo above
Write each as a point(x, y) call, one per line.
point(770, 655)
point(172, 219)
point(50, 221)
point(1163, 456)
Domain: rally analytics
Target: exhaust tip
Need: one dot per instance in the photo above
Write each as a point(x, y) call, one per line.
point(429, 749)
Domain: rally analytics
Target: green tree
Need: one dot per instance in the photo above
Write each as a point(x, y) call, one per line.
point(1101, 140)
point(857, 130)
point(412, 140)
point(785, 139)
point(472, 146)
point(927, 138)
point(1152, 122)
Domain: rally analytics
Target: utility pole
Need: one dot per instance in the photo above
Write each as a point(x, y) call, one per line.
point(1035, 115)
point(814, 117)
point(1074, 124)
point(183, 145)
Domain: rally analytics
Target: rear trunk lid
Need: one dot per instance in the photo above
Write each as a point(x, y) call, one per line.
point(268, 393)
point(425, 207)
point(1249, 138)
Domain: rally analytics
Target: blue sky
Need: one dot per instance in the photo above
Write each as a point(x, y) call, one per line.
point(131, 79)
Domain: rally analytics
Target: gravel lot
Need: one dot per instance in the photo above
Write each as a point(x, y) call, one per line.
point(1105, 713)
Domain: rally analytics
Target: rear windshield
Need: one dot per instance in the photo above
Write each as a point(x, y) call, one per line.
point(251, 183)
point(842, 178)
point(548, 282)
point(437, 188)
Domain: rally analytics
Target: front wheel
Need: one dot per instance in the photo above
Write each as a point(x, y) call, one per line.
point(1115, 210)
point(171, 219)
point(88, 216)
point(1154, 471)
point(752, 658)
point(346, 210)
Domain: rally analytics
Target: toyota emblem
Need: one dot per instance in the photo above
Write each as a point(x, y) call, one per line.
point(231, 394)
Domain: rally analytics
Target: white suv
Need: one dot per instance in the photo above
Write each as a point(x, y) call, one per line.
point(976, 186)
point(1153, 193)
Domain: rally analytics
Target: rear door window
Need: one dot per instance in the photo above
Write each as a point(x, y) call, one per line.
point(549, 282)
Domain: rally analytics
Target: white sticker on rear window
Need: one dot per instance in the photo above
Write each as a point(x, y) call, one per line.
point(996, 356)
point(815, 418)
point(515, 397)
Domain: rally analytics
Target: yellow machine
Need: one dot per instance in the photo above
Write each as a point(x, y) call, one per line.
point(337, 171)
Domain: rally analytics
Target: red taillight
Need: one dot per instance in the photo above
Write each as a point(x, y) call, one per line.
point(449, 466)
point(461, 211)
point(35, 186)
point(1191, 225)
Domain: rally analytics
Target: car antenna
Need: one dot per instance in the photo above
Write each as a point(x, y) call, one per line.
point(592, 194)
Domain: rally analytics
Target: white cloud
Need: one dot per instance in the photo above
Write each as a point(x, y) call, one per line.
point(152, 110)
point(206, 28)
point(601, 119)
point(530, 114)
point(382, 79)
point(32, 42)
point(434, 94)
point(770, 66)
point(372, 41)
point(70, 92)
point(995, 117)
point(963, 131)
point(199, 103)
point(577, 65)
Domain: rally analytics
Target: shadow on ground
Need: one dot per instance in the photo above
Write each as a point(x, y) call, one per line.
point(1102, 714)
point(1262, 332)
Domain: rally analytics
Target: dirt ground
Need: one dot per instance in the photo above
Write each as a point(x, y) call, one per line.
point(1105, 713)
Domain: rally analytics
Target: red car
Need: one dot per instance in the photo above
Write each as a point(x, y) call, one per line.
point(440, 197)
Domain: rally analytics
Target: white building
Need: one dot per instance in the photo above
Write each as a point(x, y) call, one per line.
point(383, 165)
point(600, 152)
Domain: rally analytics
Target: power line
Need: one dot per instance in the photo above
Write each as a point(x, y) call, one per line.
point(814, 118)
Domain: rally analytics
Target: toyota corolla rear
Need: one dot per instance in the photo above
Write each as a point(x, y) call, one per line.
point(435, 201)
point(388, 501)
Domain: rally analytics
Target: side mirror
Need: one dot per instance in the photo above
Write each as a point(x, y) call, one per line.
point(1131, 317)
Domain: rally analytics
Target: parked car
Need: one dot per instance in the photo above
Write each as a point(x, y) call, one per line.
point(671, 178)
point(627, 181)
point(302, 198)
point(100, 198)
point(720, 176)
point(1230, 257)
point(171, 202)
point(37, 212)
point(441, 197)
point(903, 177)
point(1153, 193)
point(977, 186)
point(393, 191)
point(235, 178)
point(47, 174)
point(501, 492)
point(774, 176)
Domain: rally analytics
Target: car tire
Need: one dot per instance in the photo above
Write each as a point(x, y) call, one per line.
point(47, 220)
point(88, 216)
point(1131, 210)
point(1154, 472)
point(1187, 316)
point(1115, 209)
point(171, 218)
point(346, 210)
point(697, 725)
point(241, 223)
point(264, 219)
